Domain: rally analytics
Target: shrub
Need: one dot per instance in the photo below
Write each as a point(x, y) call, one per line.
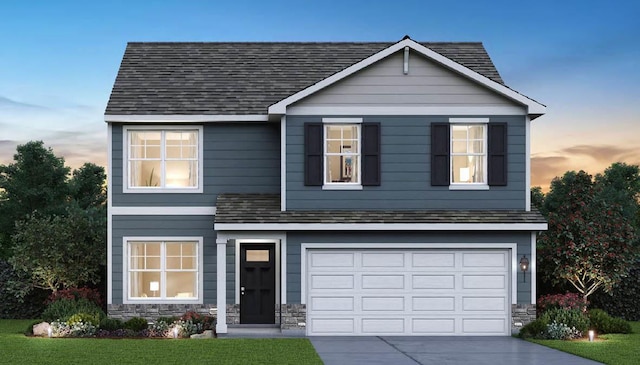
point(92, 318)
point(562, 301)
point(560, 331)
point(623, 300)
point(76, 293)
point(604, 323)
point(535, 329)
point(136, 324)
point(572, 318)
point(64, 308)
point(18, 300)
point(203, 322)
point(167, 320)
point(111, 324)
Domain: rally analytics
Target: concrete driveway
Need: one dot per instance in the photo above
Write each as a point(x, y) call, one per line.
point(438, 350)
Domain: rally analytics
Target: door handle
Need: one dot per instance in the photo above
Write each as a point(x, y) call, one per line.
point(242, 290)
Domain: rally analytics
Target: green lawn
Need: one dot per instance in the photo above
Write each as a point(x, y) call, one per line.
point(15, 348)
point(611, 349)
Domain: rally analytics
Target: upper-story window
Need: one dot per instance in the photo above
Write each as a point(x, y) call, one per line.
point(163, 159)
point(469, 153)
point(342, 154)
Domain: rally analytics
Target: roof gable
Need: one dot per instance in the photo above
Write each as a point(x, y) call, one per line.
point(533, 107)
point(244, 79)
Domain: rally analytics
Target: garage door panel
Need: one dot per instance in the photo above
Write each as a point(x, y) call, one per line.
point(431, 326)
point(433, 281)
point(483, 325)
point(382, 282)
point(383, 304)
point(433, 303)
point(332, 303)
point(484, 281)
point(333, 325)
point(382, 260)
point(374, 326)
point(408, 292)
point(332, 281)
point(331, 260)
point(484, 304)
point(437, 260)
point(474, 260)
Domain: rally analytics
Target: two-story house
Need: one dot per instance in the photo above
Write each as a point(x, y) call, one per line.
point(335, 188)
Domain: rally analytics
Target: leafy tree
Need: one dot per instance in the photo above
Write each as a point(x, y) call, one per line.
point(87, 186)
point(60, 250)
point(537, 199)
point(621, 185)
point(590, 240)
point(35, 184)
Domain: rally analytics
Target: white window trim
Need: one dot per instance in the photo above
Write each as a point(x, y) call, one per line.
point(125, 271)
point(146, 190)
point(328, 185)
point(470, 186)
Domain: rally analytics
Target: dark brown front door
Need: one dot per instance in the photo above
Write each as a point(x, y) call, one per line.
point(257, 283)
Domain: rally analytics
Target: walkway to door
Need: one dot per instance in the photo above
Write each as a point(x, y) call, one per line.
point(438, 350)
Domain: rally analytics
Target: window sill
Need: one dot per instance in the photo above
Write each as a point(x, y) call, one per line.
point(341, 187)
point(162, 301)
point(161, 191)
point(468, 187)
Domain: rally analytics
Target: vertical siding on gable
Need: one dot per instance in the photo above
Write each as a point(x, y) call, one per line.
point(426, 84)
point(238, 158)
point(295, 239)
point(406, 171)
point(165, 226)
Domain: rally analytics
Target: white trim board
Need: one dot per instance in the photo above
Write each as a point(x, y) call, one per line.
point(163, 210)
point(380, 227)
point(532, 106)
point(406, 110)
point(513, 247)
point(283, 163)
point(109, 213)
point(177, 118)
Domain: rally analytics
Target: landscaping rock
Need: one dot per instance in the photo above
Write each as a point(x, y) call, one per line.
point(41, 329)
point(205, 334)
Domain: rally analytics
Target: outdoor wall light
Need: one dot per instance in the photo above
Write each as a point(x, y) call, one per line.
point(524, 266)
point(592, 335)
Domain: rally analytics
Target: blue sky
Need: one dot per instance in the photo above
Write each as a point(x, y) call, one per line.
point(58, 61)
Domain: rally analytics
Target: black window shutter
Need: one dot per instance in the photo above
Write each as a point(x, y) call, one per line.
point(371, 154)
point(440, 154)
point(497, 162)
point(313, 151)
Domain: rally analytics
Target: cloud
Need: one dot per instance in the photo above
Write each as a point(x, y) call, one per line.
point(590, 158)
point(6, 103)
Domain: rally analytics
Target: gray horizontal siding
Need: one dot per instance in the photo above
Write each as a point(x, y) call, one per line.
point(238, 158)
point(164, 226)
point(426, 84)
point(406, 171)
point(295, 239)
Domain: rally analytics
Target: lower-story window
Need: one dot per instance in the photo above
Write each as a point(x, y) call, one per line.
point(164, 269)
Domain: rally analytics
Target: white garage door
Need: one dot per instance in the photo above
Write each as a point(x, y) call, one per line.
point(408, 292)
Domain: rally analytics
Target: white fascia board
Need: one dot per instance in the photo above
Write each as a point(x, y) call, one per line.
point(380, 227)
point(408, 110)
point(533, 107)
point(185, 118)
point(163, 210)
point(527, 164)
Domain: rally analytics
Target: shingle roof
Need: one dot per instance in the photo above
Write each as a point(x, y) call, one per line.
point(245, 78)
point(265, 208)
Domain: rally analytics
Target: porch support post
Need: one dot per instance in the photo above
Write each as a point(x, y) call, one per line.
point(221, 286)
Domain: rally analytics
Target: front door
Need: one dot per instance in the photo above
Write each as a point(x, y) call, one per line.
point(257, 283)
